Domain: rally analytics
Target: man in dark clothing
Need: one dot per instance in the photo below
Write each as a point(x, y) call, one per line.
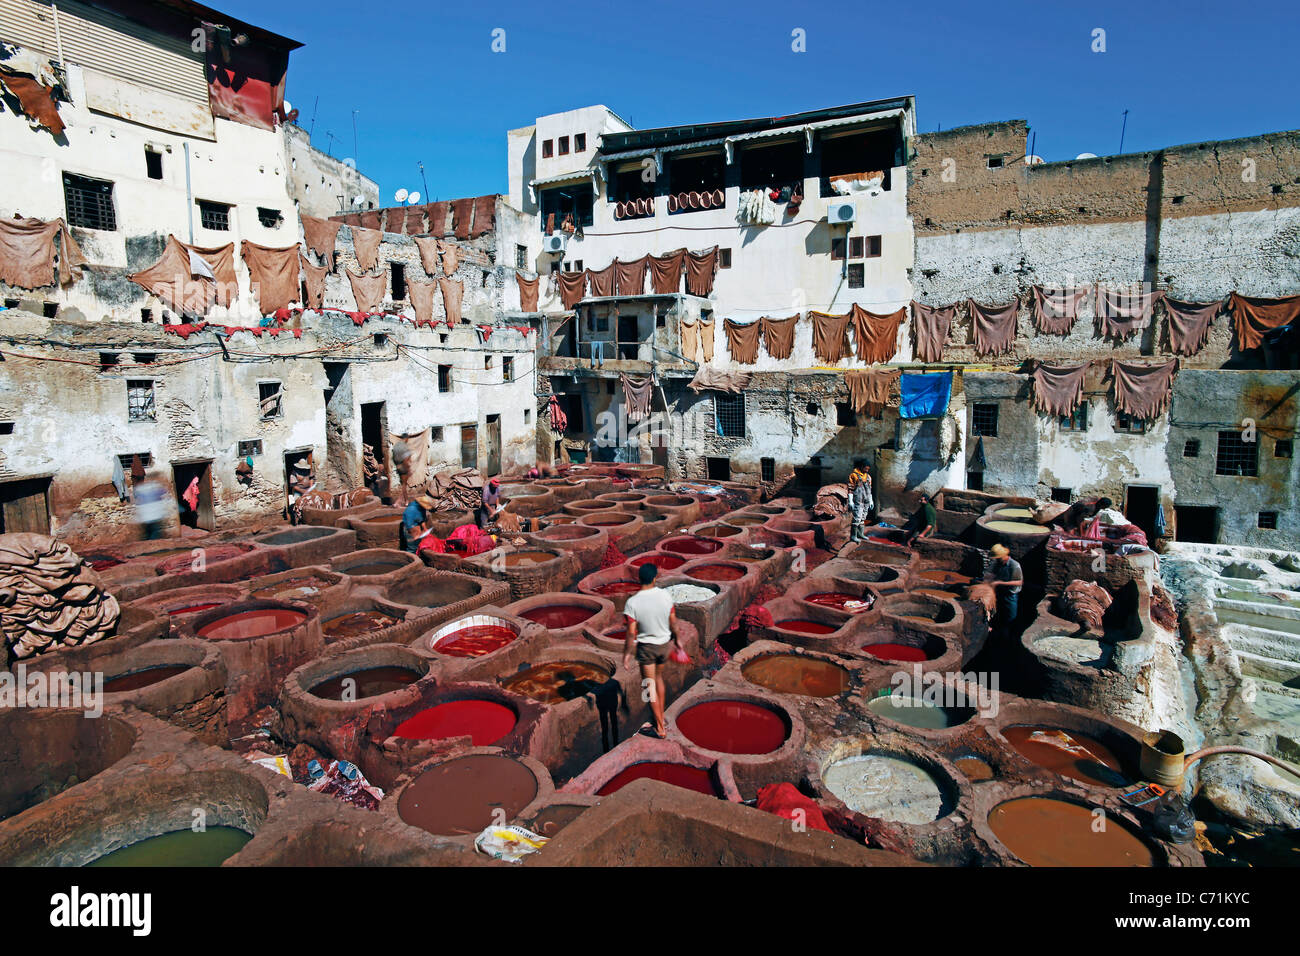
point(925, 521)
point(1006, 578)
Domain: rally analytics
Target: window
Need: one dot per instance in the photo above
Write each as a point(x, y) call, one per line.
point(838, 246)
point(844, 415)
point(487, 362)
point(214, 215)
point(724, 258)
point(444, 378)
point(469, 446)
point(381, 339)
point(857, 275)
point(251, 447)
point(435, 434)
point(698, 174)
point(609, 386)
point(269, 218)
point(579, 142)
point(528, 416)
point(565, 202)
point(521, 256)
point(6, 428)
point(878, 150)
point(548, 149)
point(146, 315)
point(729, 411)
point(269, 396)
point(718, 469)
point(602, 324)
point(50, 309)
point(397, 278)
point(128, 460)
point(139, 401)
point(507, 370)
point(873, 247)
point(975, 480)
point(1192, 448)
point(1078, 422)
point(1282, 448)
point(1129, 424)
point(152, 163)
point(768, 469)
point(89, 202)
point(1268, 520)
point(564, 146)
point(1236, 457)
point(778, 166)
point(107, 360)
point(995, 162)
point(984, 419)
point(856, 246)
point(1062, 495)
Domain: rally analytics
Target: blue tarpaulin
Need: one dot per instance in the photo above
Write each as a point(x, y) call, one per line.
point(925, 396)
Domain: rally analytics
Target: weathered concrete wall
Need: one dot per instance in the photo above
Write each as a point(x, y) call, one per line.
point(321, 185)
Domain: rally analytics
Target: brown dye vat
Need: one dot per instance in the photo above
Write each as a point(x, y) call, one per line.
point(795, 674)
point(715, 572)
point(370, 682)
point(372, 568)
point(1043, 831)
point(145, 678)
point(558, 681)
point(562, 519)
point(746, 522)
point(192, 608)
point(1076, 755)
point(938, 595)
point(608, 522)
point(751, 557)
point(214, 554)
point(255, 623)
point(357, 623)
point(383, 519)
point(528, 559)
point(461, 796)
point(297, 587)
point(717, 531)
point(555, 818)
point(973, 768)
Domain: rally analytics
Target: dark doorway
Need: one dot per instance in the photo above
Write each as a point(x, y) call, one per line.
point(1140, 504)
point(25, 506)
point(469, 446)
point(493, 437)
point(719, 469)
point(629, 340)
point(340, 424)
point(1198, 524)
point(195, 514)
point(374, 432)
point(807, 480)
point(572, 403)
point(975, 481)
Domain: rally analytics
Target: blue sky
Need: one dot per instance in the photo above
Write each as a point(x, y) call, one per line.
point(428, 86)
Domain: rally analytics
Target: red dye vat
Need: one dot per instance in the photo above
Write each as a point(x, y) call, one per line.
point(679, 775)
point(664, 562)
point(618, 587)
point(475, 641)
point(246, 624)
point(896, 652)
point(733, 727)
point(691, 546)
point(828, 599)
point(557, 616)
point(716, 572)
point(145, 678)
point(193, 608)
point(483, 721)
point(806, 627)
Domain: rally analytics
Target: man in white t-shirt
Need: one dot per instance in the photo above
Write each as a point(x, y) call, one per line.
point(652, 630)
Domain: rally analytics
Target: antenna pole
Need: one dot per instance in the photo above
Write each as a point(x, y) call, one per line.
point(1033, 144)
point(1123, 129)
point(420, 163)
point(355, 151)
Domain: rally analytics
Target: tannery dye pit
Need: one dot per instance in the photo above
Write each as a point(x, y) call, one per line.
point(483, 721)
point(464, 795)
point(371, 682)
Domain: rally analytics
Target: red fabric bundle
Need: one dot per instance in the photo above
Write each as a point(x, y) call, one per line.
point(785, 800)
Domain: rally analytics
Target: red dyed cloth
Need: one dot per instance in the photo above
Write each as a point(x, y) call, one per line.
point(474, 539)
point(755, 615)
point(431, 542)
point(185, 329)
point(785, 800)
point(613, 557)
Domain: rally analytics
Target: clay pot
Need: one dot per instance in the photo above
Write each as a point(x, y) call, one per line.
point(672, 202)
point(719, 198)
point(693, 200)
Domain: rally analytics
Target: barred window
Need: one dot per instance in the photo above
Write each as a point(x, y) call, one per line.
point(857, 275)
point(250, 447)
point(1268, 520)
point(1236, 457)
point(214, 215)
point(729, 412)
point(89, 202)
point(1078, 422)
point(1192, 448)
point(1129, 424)
point(139, 401)
point(984, 419)
point(270, 396)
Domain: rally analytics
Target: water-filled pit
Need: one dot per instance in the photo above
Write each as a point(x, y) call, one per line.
point(464, 795)
point(796, 674)
point(918, 712)
point(211, 846)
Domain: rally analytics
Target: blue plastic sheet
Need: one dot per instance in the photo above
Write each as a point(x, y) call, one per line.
point(925, 396)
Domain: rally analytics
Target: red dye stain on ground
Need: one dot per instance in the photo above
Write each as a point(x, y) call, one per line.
point(896, 652)
point(475, 641)
point(679, 775)
point(733, 727)
point(483, 721)
point(256, 623)
point(557, 616)
point(806, 627)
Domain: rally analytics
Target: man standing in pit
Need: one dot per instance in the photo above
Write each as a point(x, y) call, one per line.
point(652, 628)
point(1005, 577)
point(860, 503)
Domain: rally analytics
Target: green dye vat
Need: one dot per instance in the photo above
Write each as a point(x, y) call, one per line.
point(211, 847)
point(911, 711)
point(1015, 527)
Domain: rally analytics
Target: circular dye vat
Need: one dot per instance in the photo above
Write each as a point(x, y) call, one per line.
point(144, 678)
point(901, 653)
point(558, 681)
point(1015, 527)
point(1044, 831)
point(475, 640)
point(528, 559)
point(462, 796)
point(615, 588)
point(973, 768)
point(607, 522)
point(664, 562)
point(717, 531)
point(357, 623)
point(483, 721)
point(101, 562)
point(373, 567)
point(1069, 753)
point(370, 682)
point(886, 788)
point(937, 594)
point(677, 774)
point(256, 623)
point(382, 519)
point(210, 847)
point(715, 572)
point(689, 593)
point(733, 727)
point(690, 546)
point(945, 578)
point(915, 712)
point(193, 608)
point(836, 600)
point(555, 818)
point(746, 522)
point(806, 627)
point(752, 556)
point(1013, 514)
point(296, 587)
point(793, 674)
point(558, 616)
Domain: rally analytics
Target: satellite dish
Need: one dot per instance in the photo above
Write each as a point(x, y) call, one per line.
point(350, 162)
point(1032, 160)
point(400, 195)
point(414, 198)
point(288, 107)
point(1086, 156)
point(358, 200)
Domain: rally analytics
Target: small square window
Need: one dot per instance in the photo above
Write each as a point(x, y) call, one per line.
point(857, 245)
point(724, 258)
point(269, 218)
point(609, 386)
point(579, 142)
point(1282, 449)
point(487, 361)
point(139, 401)
point(995, 162)
point(975, 480)
point(857, 275)
point(1236, 457)
point(108, 360)
point(270, 397)
point(1192, 448)
point(128, 460)
point(1268, 520)
point(528, 416)
point(729, 413)
point(548, 148)
point(144, 358)
point(1062, 495)
point(984, 419)
point(845, 415)
point(381, 339)
point(1078, 422)
point(718, 469)
point(873, 247)
point(6, 428)
point(146, 315)
point(602, 324)
point(838, 246)
point(577, 265)
point(435, 434)
point(564, 146)
point(252, 447)
point(152, 163)
point(1129, 425)
point(50, 309)
point(444, 378)
point(214, 215)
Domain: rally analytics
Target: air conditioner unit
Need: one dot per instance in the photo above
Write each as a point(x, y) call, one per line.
point(555, 242)
point(841, 213)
